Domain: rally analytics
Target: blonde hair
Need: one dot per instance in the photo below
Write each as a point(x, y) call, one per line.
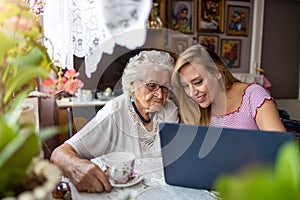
point(189, 109)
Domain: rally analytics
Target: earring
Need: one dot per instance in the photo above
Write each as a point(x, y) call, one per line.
point(131, 99)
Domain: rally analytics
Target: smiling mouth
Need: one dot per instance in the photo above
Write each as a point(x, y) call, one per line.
point(201, 98)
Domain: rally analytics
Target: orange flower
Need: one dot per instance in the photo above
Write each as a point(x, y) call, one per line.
point(49, 82)
point(68, 83)
point(71, 74)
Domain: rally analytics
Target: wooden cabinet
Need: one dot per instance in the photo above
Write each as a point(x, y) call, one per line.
point(63, 122)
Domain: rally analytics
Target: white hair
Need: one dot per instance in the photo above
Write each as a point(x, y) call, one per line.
point(139, 65)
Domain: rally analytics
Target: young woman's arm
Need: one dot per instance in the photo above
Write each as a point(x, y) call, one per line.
point(268, 119)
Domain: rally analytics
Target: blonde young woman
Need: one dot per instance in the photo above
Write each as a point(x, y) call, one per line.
point(208, 94)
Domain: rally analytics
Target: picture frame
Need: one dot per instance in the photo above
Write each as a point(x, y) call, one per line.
point(180, 43)
point(231, 52)
point(211, 41)
point(181, 16)
point(211, 16)
point(237, 20)
point(157, 16)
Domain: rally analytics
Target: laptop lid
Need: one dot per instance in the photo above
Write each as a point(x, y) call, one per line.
point(195, 156)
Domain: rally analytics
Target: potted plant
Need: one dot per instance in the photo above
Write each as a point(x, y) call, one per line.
point(23, 63)
point(67, 82)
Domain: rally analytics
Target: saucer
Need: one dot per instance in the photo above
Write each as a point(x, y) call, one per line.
point(135, 180)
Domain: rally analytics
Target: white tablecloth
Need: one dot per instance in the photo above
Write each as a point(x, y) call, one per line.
point(153, 186)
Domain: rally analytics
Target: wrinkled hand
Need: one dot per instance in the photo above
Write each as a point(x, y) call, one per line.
point(88, 177)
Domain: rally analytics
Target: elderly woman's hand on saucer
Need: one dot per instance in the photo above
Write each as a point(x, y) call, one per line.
point(88, 177)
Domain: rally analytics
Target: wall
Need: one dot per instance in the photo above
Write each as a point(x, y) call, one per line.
point(245, 40)
point(109, 69)
point(281, 47)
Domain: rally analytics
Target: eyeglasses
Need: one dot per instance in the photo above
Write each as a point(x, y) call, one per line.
point(154, 87)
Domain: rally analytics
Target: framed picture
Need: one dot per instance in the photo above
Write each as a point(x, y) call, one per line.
point(211, 41)
point(237, 20)
point(157, 17)
point(211, 16)
point(181, 16)
point(231, 52)
point(180, 43)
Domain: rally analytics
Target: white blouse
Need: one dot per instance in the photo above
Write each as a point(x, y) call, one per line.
point(116, 127)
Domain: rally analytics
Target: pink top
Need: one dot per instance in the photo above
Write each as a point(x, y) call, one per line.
point(244, 117)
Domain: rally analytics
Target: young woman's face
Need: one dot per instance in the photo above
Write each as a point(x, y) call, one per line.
point(152, 93)
point(199, 84)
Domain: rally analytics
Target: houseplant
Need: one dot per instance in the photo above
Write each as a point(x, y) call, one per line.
point(66, 82)
point(24, 62)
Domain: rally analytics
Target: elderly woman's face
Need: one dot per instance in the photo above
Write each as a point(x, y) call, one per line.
point(152, 92)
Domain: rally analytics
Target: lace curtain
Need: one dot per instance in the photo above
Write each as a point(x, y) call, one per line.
point(89, 28)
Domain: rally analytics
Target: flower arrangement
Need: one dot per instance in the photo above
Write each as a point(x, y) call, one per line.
point(24, 62)
point(67, 82)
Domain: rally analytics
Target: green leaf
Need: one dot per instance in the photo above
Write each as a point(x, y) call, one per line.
point(15, 106)
point(287, 169)
point(6, 133)
point(15, 159)
point(33, 58)
point(262, 182)
point(6, 73)
point(25, 75)
point(46, 133)
point(7, 42)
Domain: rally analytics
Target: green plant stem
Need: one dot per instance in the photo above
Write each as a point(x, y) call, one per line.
point(2, 88)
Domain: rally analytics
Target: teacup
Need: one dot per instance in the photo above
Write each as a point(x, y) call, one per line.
point(120, 166)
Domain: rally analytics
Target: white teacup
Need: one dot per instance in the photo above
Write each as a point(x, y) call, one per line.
point(120, 166)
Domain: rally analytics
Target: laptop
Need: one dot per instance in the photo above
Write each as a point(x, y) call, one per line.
point(195, 156)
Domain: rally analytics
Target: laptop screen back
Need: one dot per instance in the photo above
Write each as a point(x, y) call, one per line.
point(195, 156)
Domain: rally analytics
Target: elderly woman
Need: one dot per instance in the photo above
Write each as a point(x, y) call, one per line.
point(127, 123)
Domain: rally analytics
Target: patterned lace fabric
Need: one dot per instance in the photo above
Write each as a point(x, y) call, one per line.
point(149, 139)
point(89, 28)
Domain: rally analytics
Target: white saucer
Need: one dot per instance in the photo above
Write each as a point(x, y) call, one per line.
point(135, 180)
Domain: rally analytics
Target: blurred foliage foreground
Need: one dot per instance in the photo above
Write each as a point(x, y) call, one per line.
point(23, 63)
point(281, 182)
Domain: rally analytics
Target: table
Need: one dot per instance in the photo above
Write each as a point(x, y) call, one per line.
point(152, 186)
point(71, 108)
point(73, 102)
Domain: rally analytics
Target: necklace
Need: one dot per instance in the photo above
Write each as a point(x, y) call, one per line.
point(146, 121)
point(148, 139)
